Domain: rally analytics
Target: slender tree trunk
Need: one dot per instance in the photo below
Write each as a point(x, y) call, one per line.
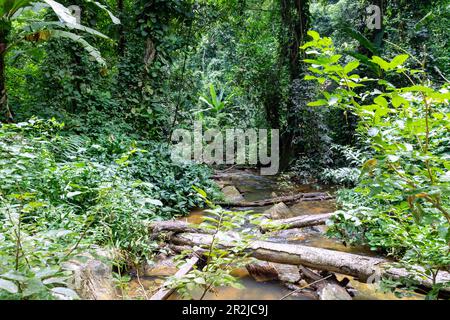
point(6, 113)
point(295, 18)
point(121, 43)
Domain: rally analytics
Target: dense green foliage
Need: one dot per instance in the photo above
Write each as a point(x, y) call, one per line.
point(401, 202)
point(68, 191)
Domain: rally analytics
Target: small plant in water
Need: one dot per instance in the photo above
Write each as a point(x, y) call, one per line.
point(220, 260)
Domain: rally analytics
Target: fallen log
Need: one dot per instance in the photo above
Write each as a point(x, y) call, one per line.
point(178, 226)
point(362, 267)
point(175, 226)
point(295, 222)
point(164, 292)
point(312, 196)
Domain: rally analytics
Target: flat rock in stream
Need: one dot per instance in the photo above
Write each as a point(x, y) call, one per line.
point(163, 267)
point(278, 211)
point(333, 292)
point(232, 194)
point(92, 278)
point(287, 272)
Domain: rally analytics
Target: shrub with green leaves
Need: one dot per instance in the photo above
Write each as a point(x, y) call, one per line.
point(218, 261)
point(401, 204)
point(61, 194)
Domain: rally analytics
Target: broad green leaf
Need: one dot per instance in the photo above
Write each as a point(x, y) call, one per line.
point(317, 103)
point(417, 88)
point(398, 100)
point(14, 275)
point(113, 18)
point(64, 293)
point(155, 202)
point(36, 26)
point(73, 194)
point(8, 285)
point(212, 92)
point(86, 46)
point(381, 62)
point(398, 60)
point(314, 34)
point(358, 36)
point(381, 101)
point(351, 66)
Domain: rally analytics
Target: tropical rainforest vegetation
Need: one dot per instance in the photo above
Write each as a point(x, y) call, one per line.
point(89, 100)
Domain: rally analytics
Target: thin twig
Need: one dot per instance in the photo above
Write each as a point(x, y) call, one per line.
point(140, 284)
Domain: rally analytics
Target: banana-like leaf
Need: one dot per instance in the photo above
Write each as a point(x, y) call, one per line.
point(6, 6)
point(114, 19)
point(366, 61)
point(86, 46)
point(37, 26)
point(26, 5)
point(61, 11)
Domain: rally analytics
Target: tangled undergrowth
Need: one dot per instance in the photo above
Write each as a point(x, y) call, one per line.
point(62, 193)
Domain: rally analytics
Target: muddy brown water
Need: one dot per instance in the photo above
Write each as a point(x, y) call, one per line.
point(255, 187)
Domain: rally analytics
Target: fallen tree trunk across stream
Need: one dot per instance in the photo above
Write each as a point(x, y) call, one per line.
point(311, 196)
point(296, 222)
point(177, 226)
point(364, 268)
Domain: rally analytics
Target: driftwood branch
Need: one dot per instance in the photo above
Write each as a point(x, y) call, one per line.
point(177, 226)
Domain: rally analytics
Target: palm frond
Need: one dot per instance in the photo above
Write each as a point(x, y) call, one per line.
point(366, 43)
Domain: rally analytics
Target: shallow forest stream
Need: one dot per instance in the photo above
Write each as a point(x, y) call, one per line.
point(256, 187)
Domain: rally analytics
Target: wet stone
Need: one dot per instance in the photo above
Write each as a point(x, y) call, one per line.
point(232, 194)
point(279, 211)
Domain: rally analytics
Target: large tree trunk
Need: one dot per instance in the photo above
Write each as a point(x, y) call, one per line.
point(362, 267)
point(295, 19)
